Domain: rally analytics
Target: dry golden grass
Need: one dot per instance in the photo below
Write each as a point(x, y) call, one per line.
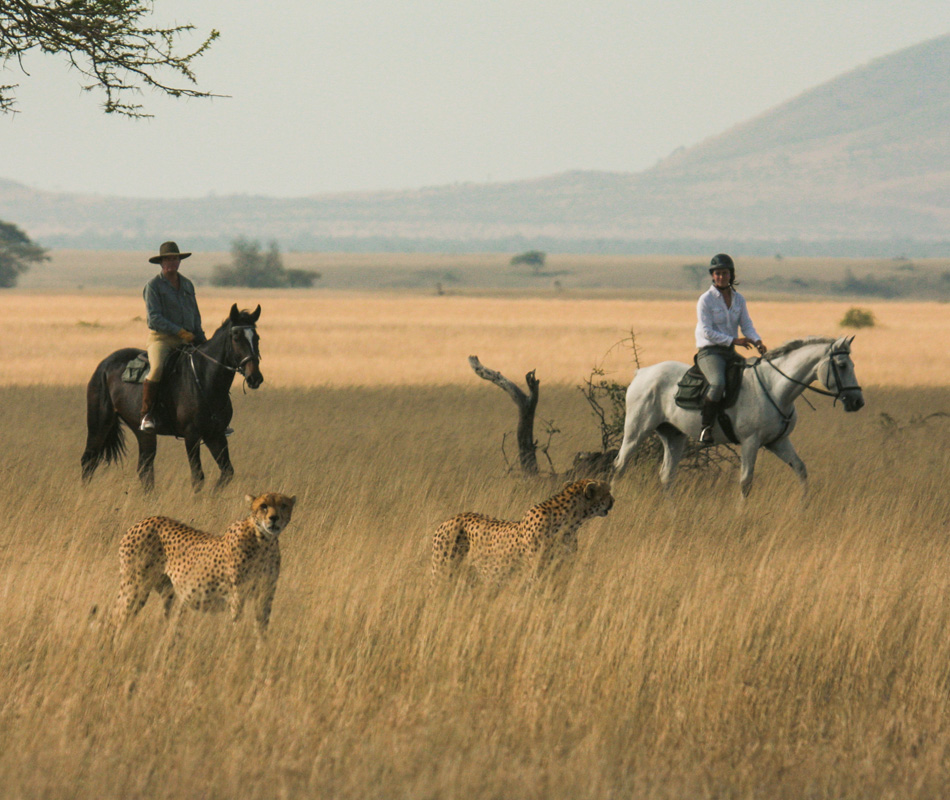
point(352, 339)
point(698, 651)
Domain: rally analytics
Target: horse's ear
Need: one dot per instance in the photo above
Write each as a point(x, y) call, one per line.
point(235, 314)
point(850, 339)
point(257, 313)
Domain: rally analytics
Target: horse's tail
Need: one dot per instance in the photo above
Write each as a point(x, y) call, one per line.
point(104, 439)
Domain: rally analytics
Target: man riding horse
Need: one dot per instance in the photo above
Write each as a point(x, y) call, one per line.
point(721, 311)
point(173, 320)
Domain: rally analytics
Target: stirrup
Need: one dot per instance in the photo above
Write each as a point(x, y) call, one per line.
point(148, 424)
point(706, 435)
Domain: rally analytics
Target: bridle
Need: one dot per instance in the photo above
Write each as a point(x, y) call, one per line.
point(254, 356)
point(835, 372)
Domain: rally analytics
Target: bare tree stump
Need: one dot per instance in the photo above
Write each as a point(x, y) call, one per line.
point(527, 403)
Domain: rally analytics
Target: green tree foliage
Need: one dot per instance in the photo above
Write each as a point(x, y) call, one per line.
point(532, 258)
point(17, 253)
point(252, 267)
point(107, 42)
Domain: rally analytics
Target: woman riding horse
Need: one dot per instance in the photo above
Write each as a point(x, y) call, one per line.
point(721, 311)
point(173, 320)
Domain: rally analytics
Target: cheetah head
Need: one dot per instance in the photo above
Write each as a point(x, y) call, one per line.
point(271, 512)
point(598, 497)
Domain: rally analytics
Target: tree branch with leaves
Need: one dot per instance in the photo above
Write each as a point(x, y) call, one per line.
point(108, 42)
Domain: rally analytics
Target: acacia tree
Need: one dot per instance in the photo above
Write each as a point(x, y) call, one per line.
point(107, 42)
point(17, 253)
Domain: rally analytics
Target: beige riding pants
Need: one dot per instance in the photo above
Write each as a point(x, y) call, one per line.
point(158, 347)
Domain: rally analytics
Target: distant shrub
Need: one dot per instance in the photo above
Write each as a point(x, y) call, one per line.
point(857, 318)
point(868, 285)
point(300, 278)
point(251, 267)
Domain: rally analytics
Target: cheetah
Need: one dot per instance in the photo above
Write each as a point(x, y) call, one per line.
point(191, 568)
point(496, 549)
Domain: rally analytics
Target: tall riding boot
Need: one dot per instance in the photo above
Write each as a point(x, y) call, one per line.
point(149, 392)
point(708, 415)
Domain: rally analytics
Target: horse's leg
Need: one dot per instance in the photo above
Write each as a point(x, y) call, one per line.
point(786, 452)
point(218, 445)
point(673, 441)
point(148, 443)
point(750, 450)
point(193, 449)
point(635, 428)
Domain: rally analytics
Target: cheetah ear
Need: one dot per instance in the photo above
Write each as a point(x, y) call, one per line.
point(293, 501)
point(249, 499)
point(590, 490)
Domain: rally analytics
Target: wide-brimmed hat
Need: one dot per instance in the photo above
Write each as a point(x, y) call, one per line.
point(167, 249)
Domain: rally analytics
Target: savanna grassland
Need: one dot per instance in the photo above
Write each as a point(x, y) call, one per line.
point(698, 649)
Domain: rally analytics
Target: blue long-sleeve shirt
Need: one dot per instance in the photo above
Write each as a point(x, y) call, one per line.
point(718, 324)
point(169, 310)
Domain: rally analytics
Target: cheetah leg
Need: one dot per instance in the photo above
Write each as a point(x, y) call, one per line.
point(264, 603)
point(128, 603)
point(450, 545)
point(136, 581)
point(235, 604)
point(167, 592)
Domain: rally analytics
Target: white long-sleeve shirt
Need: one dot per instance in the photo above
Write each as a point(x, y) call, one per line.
point(719, 325)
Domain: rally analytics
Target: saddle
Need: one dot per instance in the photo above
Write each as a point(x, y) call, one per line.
point(136, 371)
point(692, 386)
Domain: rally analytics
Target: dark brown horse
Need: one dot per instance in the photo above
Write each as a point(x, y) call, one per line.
point(193, 403)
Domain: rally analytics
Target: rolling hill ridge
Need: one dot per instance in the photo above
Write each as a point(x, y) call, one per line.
point(859, 163)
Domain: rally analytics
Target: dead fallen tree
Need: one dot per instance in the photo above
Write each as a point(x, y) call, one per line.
point(527, 404)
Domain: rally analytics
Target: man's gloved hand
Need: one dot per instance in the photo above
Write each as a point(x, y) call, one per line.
point(186, 336)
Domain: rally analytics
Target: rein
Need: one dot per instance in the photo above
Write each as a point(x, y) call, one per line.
point(239, 368)
point(834, 369)
point(787, 418)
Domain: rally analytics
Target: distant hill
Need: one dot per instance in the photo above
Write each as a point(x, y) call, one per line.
point(857, 166)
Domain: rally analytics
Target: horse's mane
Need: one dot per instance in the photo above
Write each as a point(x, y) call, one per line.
point(795, 344)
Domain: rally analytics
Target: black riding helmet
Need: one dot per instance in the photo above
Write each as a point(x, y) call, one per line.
point(722, 261)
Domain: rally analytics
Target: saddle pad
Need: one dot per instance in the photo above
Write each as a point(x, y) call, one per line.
point(136, 370)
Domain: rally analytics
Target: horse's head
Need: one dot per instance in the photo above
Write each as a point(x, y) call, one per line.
point(245, 344)
point(836, 372)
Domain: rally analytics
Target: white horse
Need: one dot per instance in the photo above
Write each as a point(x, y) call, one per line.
point(763, 415)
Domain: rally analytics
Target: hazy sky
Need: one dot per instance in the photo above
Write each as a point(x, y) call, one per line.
point(344, 95)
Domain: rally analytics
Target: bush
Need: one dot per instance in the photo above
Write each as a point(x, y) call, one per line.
point(857, 318)
point(250, 267)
